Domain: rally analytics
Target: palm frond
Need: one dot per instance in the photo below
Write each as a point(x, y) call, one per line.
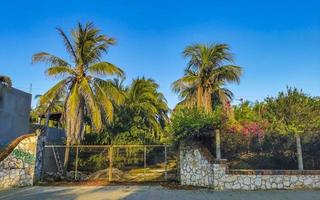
point(60, 71)
point(49, 59)
point(48, 98)
point(92, 104)
point(105, 68)
point(68, 44)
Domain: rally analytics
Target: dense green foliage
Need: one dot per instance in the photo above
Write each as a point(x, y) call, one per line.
point(141, 118)
point(184, 122)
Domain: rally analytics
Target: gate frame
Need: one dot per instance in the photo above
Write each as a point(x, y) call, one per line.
point(110, 156)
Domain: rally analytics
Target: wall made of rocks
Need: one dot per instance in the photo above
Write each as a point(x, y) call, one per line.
point(195, 168)
point(18, 168)
point(259, 180)
point(199, 169)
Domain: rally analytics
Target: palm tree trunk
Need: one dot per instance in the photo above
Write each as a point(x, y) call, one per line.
point(74, 130)
point(218, 149)
point(208, 101)
point(299, 151)
point(66, 156)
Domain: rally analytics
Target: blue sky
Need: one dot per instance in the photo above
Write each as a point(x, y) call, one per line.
point(276, 42)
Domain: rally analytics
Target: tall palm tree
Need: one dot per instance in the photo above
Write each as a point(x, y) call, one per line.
point(206, 74)
point(143, 98)
point(86, 93)
point(143, 115)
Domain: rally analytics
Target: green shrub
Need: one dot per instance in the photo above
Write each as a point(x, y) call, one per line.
point(184, 122)
point(93, 163)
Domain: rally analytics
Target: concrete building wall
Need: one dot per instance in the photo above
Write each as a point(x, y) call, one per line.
point(15, 108)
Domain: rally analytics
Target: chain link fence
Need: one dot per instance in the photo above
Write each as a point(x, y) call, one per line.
point(110, 163)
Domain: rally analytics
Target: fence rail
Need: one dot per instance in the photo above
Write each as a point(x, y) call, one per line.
point(111, 163)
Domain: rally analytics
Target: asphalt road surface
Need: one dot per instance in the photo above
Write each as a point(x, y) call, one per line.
point(147, 192)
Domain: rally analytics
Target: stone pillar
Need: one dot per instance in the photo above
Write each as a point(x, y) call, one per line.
point(195, 168)
point(220, 169)
point(39, 157)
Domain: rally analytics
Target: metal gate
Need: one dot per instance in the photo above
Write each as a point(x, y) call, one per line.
point(110, 163)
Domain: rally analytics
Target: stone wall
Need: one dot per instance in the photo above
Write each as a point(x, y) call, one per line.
point(199, 169)
point(18, 167)
point(261, 180)
point(196, 166)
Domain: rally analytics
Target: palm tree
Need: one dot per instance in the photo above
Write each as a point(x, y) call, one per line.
point(86, 93)
point(143, 115)
point(205, 77)
point(143, 98)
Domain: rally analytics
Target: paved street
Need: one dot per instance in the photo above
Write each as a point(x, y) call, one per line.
point(147, 192)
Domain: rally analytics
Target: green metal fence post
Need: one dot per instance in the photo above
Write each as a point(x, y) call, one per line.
point(144, 162)
point(110, 162)
point(165, 163)
point(76, 167)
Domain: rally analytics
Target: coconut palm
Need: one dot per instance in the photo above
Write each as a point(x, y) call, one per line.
point(143, 99)
point(143, 115)
point(206, 74)
point(85, 92)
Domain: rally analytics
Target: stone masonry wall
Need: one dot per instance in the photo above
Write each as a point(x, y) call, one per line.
point(197, 170)
point(18, 168)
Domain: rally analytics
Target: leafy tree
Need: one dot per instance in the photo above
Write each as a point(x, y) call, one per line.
point(293, 112)
point(186, 121)
point(206, 74)
point(85, 92)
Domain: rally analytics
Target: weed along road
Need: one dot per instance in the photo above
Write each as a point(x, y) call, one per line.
point(147, 192)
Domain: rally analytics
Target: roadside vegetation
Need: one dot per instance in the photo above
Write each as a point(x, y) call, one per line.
point(99, 107)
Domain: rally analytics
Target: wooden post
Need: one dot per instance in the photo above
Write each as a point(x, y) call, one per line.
point(144, 162)
point(165, 163)
point(76, 168)
point(110, 162)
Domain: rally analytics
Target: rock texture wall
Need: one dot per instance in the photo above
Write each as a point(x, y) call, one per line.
point(18, 168)
point(199, 169)
point(196, 167)
point(257, 180)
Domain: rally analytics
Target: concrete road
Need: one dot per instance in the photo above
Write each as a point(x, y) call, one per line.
point(147, 192)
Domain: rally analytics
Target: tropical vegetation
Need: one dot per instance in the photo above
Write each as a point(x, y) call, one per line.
point(208, 71)
point(141, 119)
point(99, 106)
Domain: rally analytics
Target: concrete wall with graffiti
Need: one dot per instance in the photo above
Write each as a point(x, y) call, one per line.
point(19, 167)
